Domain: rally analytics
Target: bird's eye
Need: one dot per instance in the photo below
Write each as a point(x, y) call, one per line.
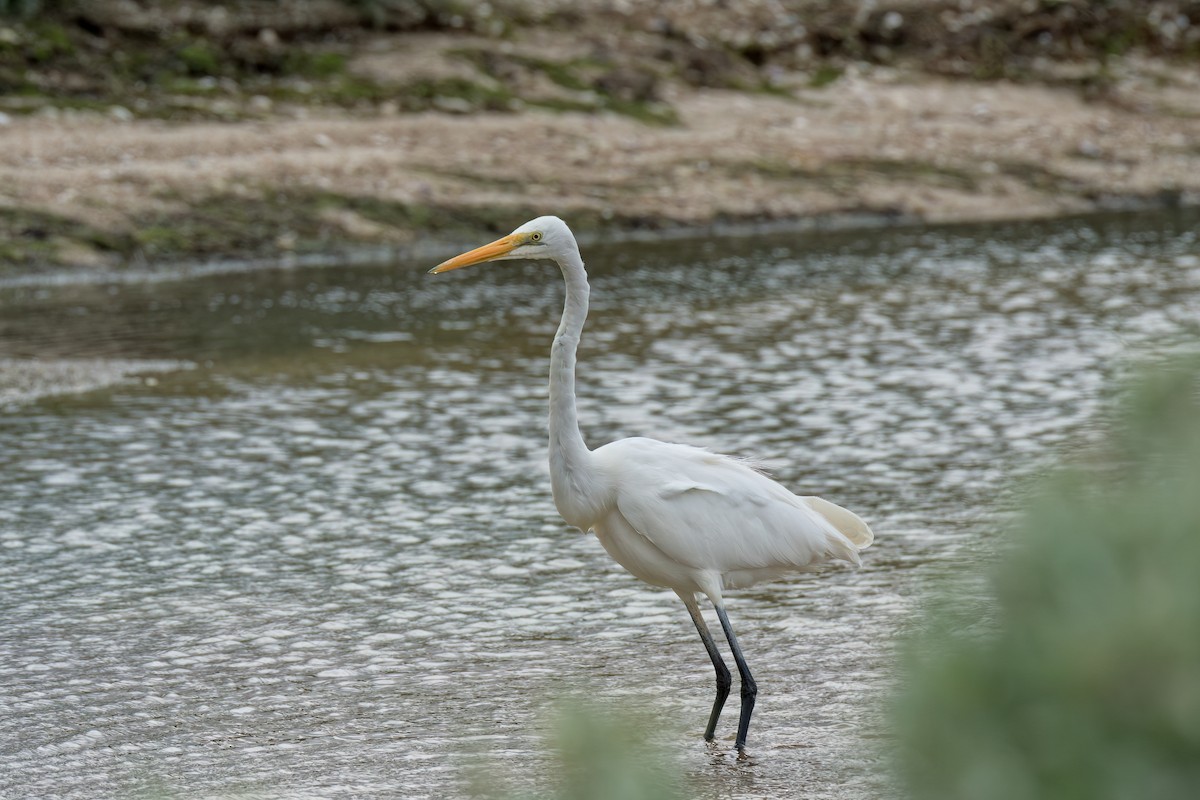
point(535, 237)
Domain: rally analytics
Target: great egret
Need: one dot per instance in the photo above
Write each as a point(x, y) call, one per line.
point(675, 516)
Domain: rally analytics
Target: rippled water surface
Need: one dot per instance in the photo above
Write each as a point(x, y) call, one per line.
point(312, 551)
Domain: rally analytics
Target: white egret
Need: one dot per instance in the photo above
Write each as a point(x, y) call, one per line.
point(675, 516)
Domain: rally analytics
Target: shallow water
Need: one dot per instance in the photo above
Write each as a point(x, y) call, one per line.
point(313, 551)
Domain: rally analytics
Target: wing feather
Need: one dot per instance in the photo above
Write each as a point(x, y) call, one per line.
point(711, 512)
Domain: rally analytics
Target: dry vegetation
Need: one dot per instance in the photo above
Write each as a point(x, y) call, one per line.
point(137, 131)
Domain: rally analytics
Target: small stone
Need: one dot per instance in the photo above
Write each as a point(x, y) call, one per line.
point(452, 105)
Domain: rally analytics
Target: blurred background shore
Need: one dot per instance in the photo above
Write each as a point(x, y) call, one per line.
point(136, 133)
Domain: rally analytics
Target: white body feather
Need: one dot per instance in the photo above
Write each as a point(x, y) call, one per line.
point(694, 521)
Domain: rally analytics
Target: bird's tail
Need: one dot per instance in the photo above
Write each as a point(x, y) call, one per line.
point(856, 533)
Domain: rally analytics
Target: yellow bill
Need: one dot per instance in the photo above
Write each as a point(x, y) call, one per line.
point(501, 247)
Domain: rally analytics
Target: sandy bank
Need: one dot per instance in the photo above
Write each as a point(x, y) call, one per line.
point(598, 123)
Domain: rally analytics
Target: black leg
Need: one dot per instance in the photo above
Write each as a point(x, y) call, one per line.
point(724, 681)
point(749, 687)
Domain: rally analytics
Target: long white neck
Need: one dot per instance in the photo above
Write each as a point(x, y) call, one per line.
point(577, 491)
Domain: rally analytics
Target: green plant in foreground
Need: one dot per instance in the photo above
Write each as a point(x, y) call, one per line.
point(599, 756)
point(1087, 682)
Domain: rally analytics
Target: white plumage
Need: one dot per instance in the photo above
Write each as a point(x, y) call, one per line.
point(675, 516)
point(716, 522)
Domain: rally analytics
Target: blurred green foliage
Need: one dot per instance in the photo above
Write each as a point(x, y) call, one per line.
point(599, 755)
point(200, 59)
point(19, 8)
point(1085, 683)
point(437, 13)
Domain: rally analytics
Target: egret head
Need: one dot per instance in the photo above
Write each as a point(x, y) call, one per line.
point(544, 237)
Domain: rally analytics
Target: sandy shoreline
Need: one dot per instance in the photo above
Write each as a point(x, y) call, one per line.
point(878, 143)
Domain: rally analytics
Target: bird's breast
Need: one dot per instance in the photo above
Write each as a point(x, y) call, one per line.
point(643, 559)
point(580, 494)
